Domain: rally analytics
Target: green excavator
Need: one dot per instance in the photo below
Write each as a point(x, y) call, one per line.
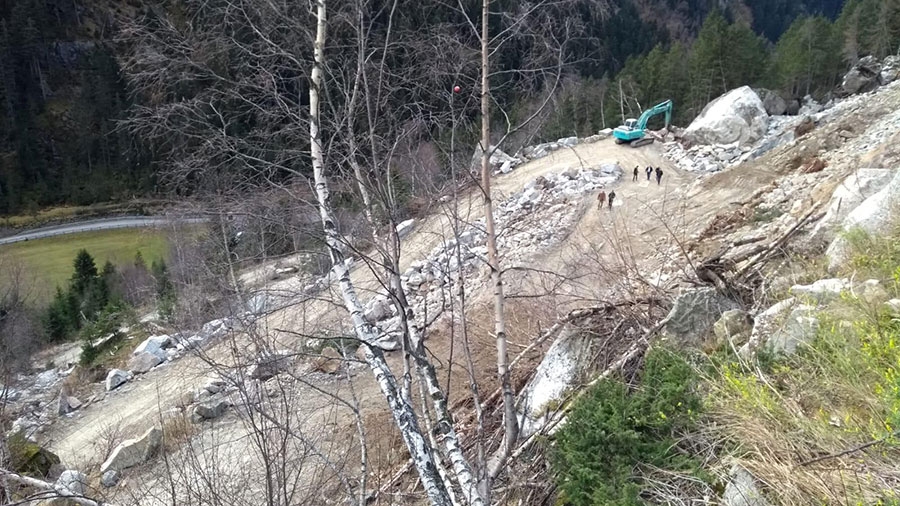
point(634, 130)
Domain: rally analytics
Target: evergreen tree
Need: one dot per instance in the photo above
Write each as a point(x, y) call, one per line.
point(58, 318)
point(85, 272)
point(806, 57)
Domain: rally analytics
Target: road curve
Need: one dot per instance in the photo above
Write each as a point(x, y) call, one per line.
point(92, 225)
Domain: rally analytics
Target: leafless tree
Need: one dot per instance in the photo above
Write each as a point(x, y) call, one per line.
point(229, 82)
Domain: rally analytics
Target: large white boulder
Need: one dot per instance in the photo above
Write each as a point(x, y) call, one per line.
point(852, 191)
point(737, 116)
point(557, 372)
point(154, 345)
point(71, 483)
point(117, 377)
point(132, 452)
point(874, 216)
point(143, 362)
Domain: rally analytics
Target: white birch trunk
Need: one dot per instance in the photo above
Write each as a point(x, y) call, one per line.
point(510, 420)
point(403, 413)
point(48, 487)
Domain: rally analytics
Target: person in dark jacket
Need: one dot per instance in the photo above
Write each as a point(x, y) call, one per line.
point(634, 179)
point(612, 195)
point(649, 172)
point(659, 175)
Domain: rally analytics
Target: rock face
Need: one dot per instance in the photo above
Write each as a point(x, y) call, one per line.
point(209, 411)
point(873, 216)
point(558, 370)
point(742, 490)
point(143, 362)
point(116, 378)
point(865, 76)
point(71, 483)
point(852, 191)
point(772, 102)
point(132, 452)
point(737, 116)
point(693, 316)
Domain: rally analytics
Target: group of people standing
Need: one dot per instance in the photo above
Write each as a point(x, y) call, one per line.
point(603, 198)
point(649, 170)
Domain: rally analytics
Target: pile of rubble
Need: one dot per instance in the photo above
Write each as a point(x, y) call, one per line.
point(535, 218)
point(733, 132)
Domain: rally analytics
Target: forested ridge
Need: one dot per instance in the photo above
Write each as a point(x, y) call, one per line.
point(62, 89)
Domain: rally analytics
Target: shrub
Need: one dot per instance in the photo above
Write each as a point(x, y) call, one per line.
point(613, 431)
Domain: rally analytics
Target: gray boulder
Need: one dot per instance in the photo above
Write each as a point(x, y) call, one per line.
point(737, 116)
point(498, 158)
point(773, 103)
point(109, 479)
point(742, 489)
point(132, 452)
point(377, 309)
point(71, 483)
point(154, 345)
point(66, 403)
point(798, 330)
point(270, 365)
point(767, 323)
point(890, 69)
point(116, 378)
point(693, 316)
point(792, 107)
point(872, 292)
point(865, 76)
point(823, 290)
point(143, 362)
point(893, 307)
point(209, 411)
point(852, 191)
point(874, 216)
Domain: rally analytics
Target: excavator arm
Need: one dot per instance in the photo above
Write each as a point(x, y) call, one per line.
point(663, 107)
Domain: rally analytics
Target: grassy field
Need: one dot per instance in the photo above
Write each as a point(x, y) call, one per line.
point(49, 261)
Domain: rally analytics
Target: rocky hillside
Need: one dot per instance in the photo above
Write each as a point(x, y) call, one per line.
point(723, 334)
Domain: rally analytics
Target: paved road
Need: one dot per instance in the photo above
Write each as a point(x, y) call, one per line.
point(91, 225)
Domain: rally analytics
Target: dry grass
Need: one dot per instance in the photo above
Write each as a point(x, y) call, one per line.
point(177, 430)
point(819, 427)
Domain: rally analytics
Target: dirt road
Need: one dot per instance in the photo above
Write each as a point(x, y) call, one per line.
point(137, 405)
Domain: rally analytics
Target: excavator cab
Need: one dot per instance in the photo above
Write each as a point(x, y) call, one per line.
point(633, 132)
